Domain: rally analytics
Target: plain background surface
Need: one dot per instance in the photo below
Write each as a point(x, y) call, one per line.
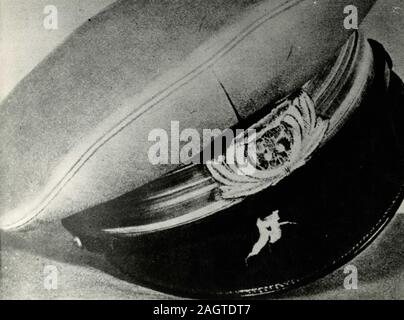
point(23, 43)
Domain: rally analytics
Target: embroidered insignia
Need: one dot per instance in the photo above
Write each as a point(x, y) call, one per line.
point(269, 150)
point(270, 232)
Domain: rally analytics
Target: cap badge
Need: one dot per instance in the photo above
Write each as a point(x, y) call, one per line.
point(271, 149)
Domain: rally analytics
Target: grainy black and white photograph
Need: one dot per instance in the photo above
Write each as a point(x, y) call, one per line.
point(201, 149)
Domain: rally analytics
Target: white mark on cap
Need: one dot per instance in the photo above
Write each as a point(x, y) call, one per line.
point(270, 232)
point(77, 242)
